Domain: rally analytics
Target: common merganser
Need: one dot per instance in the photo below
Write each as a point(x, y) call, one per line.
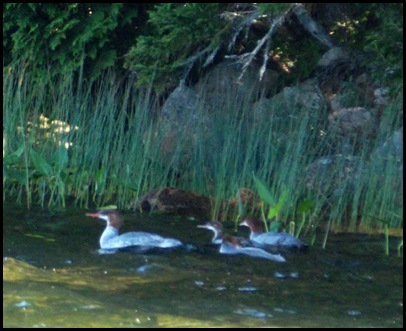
point(217, 229)
point(231, 245)
point(111, 240)
point(278, 239)
point(217, 239)
point(236, 245)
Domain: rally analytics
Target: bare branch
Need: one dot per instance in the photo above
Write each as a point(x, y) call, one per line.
point(311, 26)
point(268, 37)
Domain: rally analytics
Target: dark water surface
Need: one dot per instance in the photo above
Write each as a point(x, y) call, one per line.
point(54, 277)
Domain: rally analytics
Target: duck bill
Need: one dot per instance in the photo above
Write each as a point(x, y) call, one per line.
point(204, 226)
point(93, 215)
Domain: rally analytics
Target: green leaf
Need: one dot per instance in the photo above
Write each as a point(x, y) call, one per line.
point(305, 206)
point(15, 175)
point(263, 192)
point(108, 207)
point(40, 164)
point(60, 159)
point(274, 211)
point(241, 208)
point(12, 158)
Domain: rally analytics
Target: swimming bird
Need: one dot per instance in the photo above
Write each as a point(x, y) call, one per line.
point(234, 245)
point(277, 239)
point(111, 239)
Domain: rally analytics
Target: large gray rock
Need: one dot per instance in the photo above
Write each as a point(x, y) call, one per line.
point(182, 114)
point(353, 123)
point(332, 56)
point(304, 97)
point(292, 106)
point(224, 86)
point(392, 147)
point(181, 105)
point(189, 109)
point(331, 175)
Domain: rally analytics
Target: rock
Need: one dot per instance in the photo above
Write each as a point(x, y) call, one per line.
point(335, 67)
point(225, 81)
point(306, 96)
point(181, 105)
point(332, 174)
point(332, 56)
point(392, 147)
point(181, 114)
point(248, 197)
point(222, 90)
point(381, 95)
point(173, 200)
point(353, 123)
point(262, 108)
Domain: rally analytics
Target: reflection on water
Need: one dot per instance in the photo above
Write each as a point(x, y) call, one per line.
point(54, 277)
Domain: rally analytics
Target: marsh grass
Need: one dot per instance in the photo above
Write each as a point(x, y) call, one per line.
point(101, 142)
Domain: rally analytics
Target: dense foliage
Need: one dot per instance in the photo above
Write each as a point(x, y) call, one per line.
point(176, 31)
point(162, 43)
point(61, 37)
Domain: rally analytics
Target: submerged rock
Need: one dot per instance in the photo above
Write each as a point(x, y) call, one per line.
point(173, 200)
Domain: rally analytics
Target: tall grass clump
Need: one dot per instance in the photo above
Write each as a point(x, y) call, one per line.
point(88, 140)
point(103, 141)
point(382, 197)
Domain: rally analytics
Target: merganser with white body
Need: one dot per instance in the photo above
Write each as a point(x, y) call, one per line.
point(217, 228)
point(235, 245)
point(231, 245)
point(217, 239)
point(278, 239)
point(110, 239)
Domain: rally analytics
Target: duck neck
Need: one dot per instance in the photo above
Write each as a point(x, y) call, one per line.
point(217, 238)
point(109, 233)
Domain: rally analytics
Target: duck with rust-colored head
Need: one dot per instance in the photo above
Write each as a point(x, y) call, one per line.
point(111, 239)
point(276, 239)
point(235, 245)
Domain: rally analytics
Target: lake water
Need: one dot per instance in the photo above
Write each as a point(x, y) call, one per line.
point(53, 276)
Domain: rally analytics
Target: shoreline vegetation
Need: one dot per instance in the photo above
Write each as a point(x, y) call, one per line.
point(256, 111)
point(103, 141)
